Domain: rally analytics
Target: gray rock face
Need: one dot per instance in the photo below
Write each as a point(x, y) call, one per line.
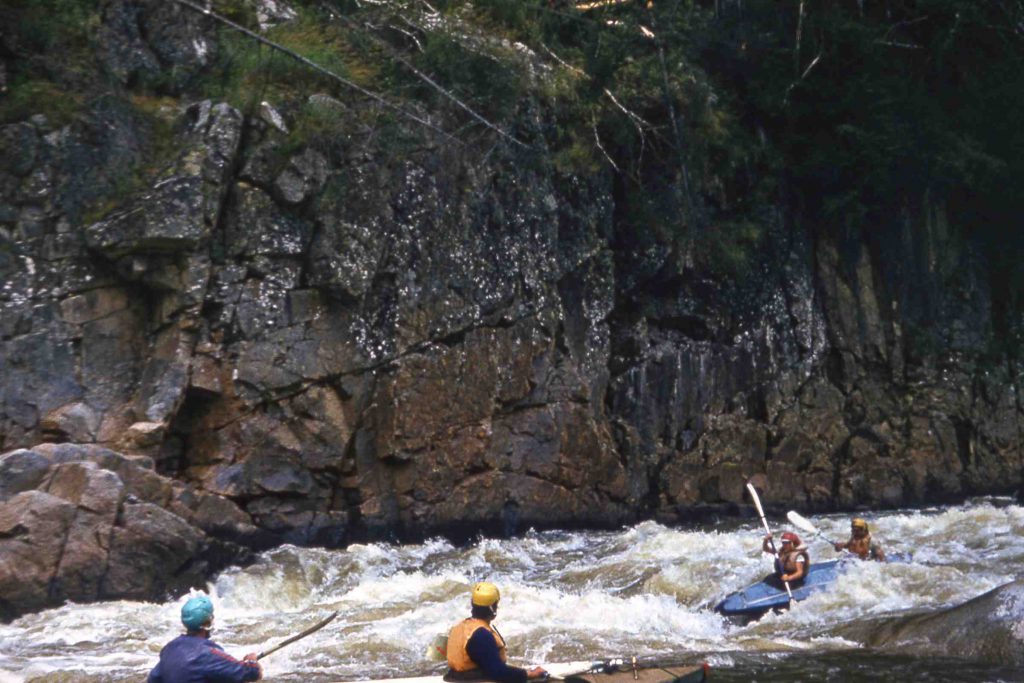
point(152, 41)
point(370, 339)
point(989, 628)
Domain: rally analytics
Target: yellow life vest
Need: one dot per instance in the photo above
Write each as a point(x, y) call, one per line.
point(861, 547)
point(458, 638)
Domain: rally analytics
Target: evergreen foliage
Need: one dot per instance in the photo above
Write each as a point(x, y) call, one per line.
point(34, 31)
point(883, 105)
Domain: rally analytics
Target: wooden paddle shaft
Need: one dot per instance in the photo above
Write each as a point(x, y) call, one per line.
point(289, 641)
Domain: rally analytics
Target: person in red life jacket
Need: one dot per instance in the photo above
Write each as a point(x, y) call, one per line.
point(475, 648)
point(792, 563)
point(194, 658)
point(860, 543)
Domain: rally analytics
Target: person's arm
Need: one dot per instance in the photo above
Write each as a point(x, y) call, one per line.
point(219, 666)
point(483, 650)
point(156, 675)
point(876, 552)
point(798, 573)
point(840, 547)
point(767, 546)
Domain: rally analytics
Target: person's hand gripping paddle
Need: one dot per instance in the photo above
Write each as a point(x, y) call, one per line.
point(760, 511)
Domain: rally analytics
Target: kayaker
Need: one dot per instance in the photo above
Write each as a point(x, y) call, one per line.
point(861, 543)
point(792, 562)
point(476, 649)
point(194, 658)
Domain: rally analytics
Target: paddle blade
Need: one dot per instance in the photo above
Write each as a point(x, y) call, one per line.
point(437, 650)
point(756, 499)
point(802, 522)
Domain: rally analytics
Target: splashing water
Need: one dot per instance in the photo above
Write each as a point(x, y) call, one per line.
point(646, 590)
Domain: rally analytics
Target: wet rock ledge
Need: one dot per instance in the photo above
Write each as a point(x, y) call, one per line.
point(84, 523)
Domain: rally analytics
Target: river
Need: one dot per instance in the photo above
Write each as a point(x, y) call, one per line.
point(647, 590)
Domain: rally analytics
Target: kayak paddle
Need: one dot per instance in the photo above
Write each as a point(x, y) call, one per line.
point(802, 522)
point(300, 636)
point(437, 650)
point(760, 511)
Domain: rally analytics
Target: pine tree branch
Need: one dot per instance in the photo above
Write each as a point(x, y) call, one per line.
point(434, 84)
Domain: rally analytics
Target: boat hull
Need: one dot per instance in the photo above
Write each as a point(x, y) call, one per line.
point(671, 674)
point(582, 672)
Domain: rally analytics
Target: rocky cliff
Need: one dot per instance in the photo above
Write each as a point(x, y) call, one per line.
point(385, 328)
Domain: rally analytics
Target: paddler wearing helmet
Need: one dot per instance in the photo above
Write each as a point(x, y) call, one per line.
point(475, 648)
point(861, 544)
point(194, 658)
point(792, 562)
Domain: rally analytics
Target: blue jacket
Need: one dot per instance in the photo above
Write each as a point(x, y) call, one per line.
point(483, 650)
point(194, 659)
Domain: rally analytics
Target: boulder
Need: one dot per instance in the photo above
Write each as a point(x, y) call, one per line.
point(987, 629)
point(152, 552)
point(85, 523)
point(33, 528)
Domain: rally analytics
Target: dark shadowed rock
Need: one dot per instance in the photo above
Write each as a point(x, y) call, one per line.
point(302, 177)
point(18, 148)
point(152, 552)
point(140, 38)
point(989, 628)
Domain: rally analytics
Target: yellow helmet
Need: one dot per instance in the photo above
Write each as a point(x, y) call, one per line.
point(485, 594)
point(859, 523)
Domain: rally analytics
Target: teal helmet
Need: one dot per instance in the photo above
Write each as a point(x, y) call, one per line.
point(196, 612)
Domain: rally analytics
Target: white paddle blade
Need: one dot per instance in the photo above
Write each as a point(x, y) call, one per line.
point(437, 650)
point(756, 499)
point(802, 522)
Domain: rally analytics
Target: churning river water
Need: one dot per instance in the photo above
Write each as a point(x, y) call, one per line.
point(647, 590)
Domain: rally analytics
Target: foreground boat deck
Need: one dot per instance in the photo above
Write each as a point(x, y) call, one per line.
point(582, 672)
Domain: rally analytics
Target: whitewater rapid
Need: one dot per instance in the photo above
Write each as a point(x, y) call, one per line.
point(647, 590)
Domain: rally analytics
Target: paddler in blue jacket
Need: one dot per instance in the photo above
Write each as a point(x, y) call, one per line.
point(194, 658)
point(475, 648)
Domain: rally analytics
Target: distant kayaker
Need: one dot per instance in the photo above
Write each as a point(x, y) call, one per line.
point(861, 543)
point(792, 562)
point(194, 658)
point(476, 649)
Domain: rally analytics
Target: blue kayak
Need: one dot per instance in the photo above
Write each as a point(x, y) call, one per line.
point(767, 594)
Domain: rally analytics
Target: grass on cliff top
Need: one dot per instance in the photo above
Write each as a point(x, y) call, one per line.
point(576, 76)
point(249, 71)
point(159, 117)
point(37, 82)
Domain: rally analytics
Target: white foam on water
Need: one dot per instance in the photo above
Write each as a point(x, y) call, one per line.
point(645, 590)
